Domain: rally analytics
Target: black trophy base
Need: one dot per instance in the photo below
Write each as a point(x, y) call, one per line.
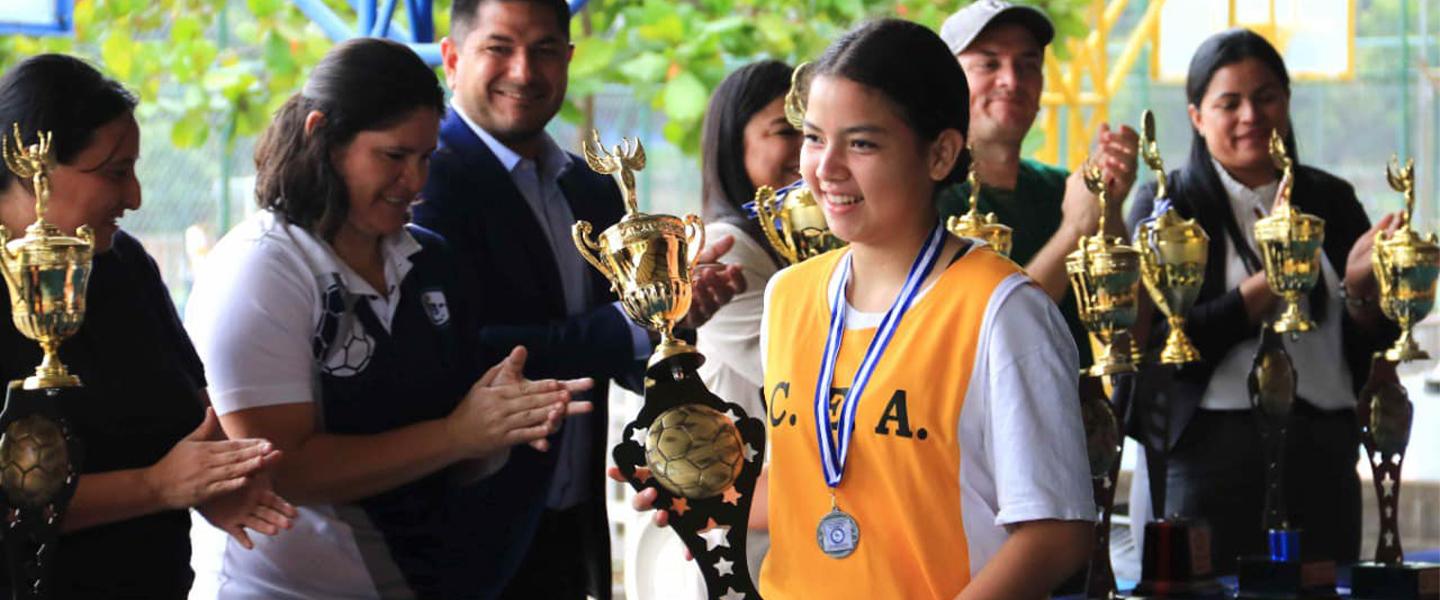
point(713, 528)
point(1264, 579)
point(1176, 562)
point(1405, 581)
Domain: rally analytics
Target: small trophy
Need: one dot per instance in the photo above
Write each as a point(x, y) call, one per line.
point(1285, 573)
point(701, 450)
point(794, 223)
point(1173, 253)
point(1406, 265)
point(1290, 243)
point(46, 273)
point(985, 227)
point(791, 218)
point(1105, 274)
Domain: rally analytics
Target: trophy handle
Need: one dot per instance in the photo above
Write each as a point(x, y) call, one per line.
point(8, 258)
point(581, 232)
point(1380, 263)
point(764, 199)
point(694, 236)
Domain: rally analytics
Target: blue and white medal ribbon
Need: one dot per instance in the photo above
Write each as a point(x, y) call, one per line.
point(832, 455)
point(838, 535)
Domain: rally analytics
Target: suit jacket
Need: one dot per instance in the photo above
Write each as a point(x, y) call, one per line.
point(514, 281)
point(1218, 320)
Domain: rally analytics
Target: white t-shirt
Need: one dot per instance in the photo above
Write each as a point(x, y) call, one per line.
point(254, 309)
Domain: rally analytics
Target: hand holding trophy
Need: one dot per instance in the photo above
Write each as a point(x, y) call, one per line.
point(1290, 243)
point(701, 451)
point(46, 274)
point(1405, 266)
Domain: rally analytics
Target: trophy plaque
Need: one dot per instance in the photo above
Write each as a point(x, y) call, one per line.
point(46, 274)
point(1173, 255)
point(1105, 274)
point(1289, 242)
point(1286, 572)
point(702, 452)
point(985, 227)
point(1385, 415)
point(1103, 446)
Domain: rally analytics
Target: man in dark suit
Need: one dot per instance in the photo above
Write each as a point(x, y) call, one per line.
point(505, 195)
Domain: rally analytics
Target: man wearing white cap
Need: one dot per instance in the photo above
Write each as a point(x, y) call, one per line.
point(1001, 48)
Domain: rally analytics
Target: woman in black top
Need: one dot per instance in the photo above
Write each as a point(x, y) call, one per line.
point(152, 449)
point(1239, 91)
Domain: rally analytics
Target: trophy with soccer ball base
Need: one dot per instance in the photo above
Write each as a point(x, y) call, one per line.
point(703, 453)
point(46, 273)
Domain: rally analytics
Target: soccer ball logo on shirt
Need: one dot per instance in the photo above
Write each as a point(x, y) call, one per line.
point(341, 345)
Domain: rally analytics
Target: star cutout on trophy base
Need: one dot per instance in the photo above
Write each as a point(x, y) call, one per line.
point(715, 535)
point(724, 567)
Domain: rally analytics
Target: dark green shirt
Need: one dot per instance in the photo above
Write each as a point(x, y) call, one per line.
point(1032, 209)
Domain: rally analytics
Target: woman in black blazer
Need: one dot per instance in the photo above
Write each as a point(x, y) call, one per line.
point(1239, 91)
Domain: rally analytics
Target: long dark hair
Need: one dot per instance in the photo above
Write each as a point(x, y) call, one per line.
point(914, 68)
point(1216, 52)
point(726, 185)
point(63, 95)
point(364, 84)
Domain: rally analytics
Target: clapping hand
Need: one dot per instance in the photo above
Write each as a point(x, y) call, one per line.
point(712, 284)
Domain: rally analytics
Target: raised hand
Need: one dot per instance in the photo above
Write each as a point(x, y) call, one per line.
point(204, 465)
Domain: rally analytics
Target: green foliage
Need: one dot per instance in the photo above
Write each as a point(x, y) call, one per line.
point(670, 53)
point(673, 54)
point(174, 54)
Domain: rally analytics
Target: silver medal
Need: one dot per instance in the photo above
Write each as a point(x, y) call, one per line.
point(838, 534)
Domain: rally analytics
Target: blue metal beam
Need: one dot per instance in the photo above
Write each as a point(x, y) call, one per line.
point(64, 23)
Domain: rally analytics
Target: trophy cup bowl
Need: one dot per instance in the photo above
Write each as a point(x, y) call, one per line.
point(1406, 266)
point(47, 274)
point(1105, 275)
point(647, 259)
point(1290, 244)
point(794, 224)
point(1173, 255)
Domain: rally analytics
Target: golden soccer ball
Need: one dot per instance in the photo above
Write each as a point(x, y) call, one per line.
point(694, 451)
point(34, 461)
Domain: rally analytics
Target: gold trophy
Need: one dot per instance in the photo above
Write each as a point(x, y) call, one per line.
point(700, 450)
point(1290, 243)
point(1406, 265)
point(1173, 254)
point(1105, 274)
point(46, 274)
point(792, 219)
point(985, 227)
point(794, 224)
